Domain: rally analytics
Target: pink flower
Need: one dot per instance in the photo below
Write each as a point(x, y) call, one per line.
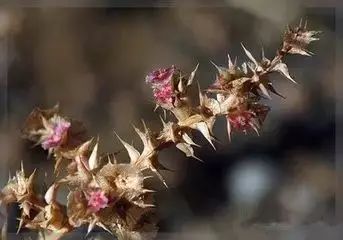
point(97, 200)
point(164, 95)
point(246, 119)
point(241, 120)
point(161, 81)
point(161, 76)
point(56, 132)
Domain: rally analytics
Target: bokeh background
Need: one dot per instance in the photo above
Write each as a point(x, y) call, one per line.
point(93, 61)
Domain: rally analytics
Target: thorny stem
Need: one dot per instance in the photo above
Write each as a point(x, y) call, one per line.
point(53, 131)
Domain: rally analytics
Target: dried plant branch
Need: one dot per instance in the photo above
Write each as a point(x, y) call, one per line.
point(113, 195)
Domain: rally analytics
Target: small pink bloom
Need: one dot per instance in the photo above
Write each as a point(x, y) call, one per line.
point(241, 120)
point(246, 119)
point(97, 200)
point(161, 81)
point(57, 133)
point(161, 76)
point(164, 95)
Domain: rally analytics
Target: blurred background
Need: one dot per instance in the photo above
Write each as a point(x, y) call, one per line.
point(93, 61)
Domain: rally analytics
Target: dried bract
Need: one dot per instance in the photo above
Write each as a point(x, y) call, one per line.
point(296, 40)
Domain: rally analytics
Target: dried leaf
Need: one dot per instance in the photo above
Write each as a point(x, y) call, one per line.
point(187, 149)
point(296, 40)
point(300, 51)
point(273, 90)
point(222, 71)
point(231, 65)
point(245, 68)
point(133, 153)
point(50, 194)
point(250, 56)
point(202, 127)
point(191, 77)
point(228, 125)
point(189, 140)
point(283, 69)
point(209, 103)
point(264, 90)
point(93, 158)
point(180, 86)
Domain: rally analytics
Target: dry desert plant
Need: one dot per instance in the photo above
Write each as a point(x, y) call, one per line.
point(111, 194)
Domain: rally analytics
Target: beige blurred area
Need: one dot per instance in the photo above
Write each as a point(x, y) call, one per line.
point(93, 62)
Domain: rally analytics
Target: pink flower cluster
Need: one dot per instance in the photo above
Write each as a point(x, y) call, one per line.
point(247, 118)
point(161, 81)
point(97, 200)
point(241, 120)
point(57, 134)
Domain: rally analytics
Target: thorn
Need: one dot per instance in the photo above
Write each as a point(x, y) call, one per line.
point(180, 86)
point(164, 183)
point(273, 90)
point(57, 164)
point(249, 55)
point(32, 175)
point(216, 66)
point(57, 106)
point(152, 168)
point(202, 127)
point(191, 77)
point(144, 125)
point(4, 229)
point(21, 223)
point(217, 140)
point(244, 68)
point(148, 191)
point(90, 227)
point(148, 205)
point(250, 67)
point(163, 122)
point(132, 152)
point(264, 91)
point(201, 99)
point(50, 151)
point(147, 177)
point(162, 179)
point(199, 159)
point(100, 224)
point(255, 128)
point(93, 158)
point(230, 62)
point(22, 166)
point(262, 53)
point(229, 129)
point(311, 54)
point(189, 140)
point(45, 122)
point(108, 159)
